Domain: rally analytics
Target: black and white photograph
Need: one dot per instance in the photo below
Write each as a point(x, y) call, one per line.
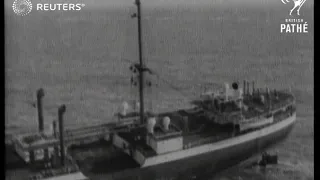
point(159, 89)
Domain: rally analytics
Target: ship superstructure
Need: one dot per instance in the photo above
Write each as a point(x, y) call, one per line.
point(215, 122)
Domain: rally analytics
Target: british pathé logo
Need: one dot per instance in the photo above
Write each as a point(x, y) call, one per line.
point(293, 25)
point(22, 7)
point(297, 4)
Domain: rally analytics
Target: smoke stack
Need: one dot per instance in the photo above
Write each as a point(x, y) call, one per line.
point(61, 111)
point(40, 95)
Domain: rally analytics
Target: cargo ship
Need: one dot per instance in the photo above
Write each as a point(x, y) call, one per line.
point(223, 128)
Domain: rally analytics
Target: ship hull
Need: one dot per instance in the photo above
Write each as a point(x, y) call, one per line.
point(208, 162)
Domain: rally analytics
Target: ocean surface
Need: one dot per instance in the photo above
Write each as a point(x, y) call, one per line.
point(82, 60)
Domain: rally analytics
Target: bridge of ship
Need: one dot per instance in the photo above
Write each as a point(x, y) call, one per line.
point(255, 109)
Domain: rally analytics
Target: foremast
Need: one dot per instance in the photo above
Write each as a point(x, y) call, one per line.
point(141, 68)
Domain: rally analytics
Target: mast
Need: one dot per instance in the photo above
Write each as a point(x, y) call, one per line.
point(140, 66)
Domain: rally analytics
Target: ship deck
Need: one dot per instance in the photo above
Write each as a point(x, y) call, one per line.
point(202, 131)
